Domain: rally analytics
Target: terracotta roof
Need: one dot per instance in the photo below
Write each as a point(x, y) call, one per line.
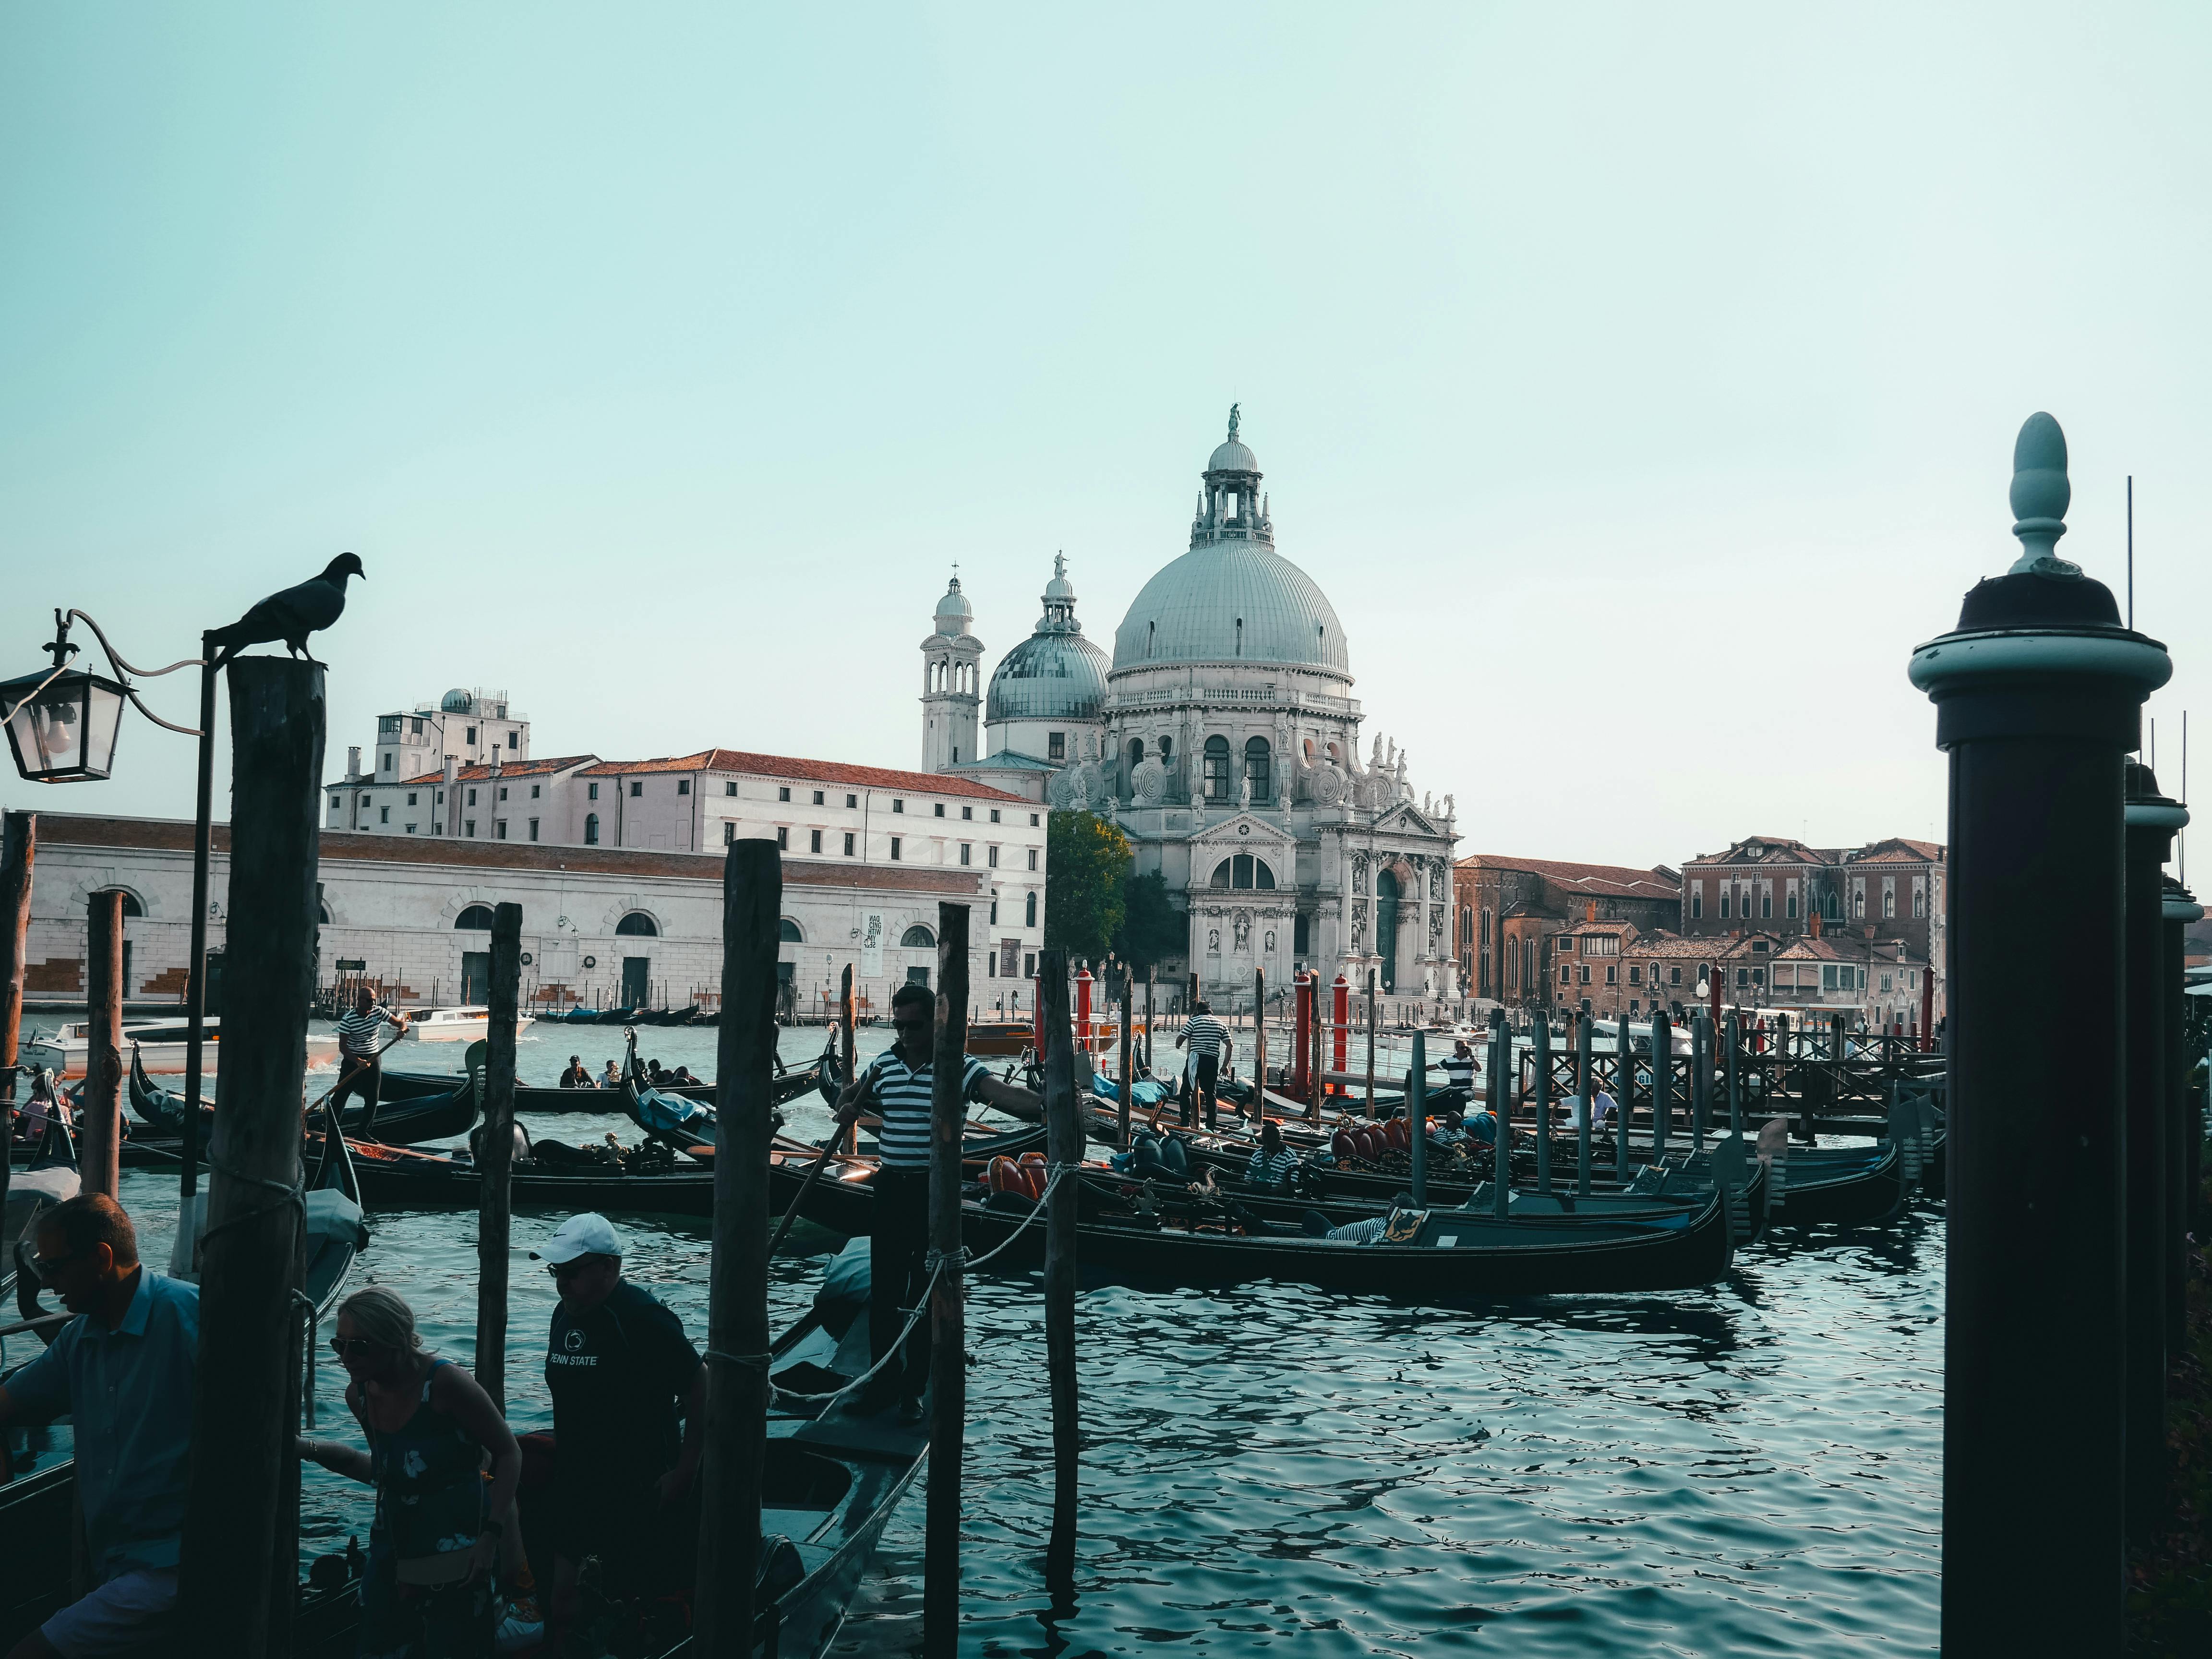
point(341, 846)
point(1581, 928)
point(1897, 850)
point(1674, 944)
point(813, 771)
point(1592, 880)
point(474, 773)
point(1773, 849)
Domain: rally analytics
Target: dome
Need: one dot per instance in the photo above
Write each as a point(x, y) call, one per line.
point(1049, 677)
point(954, 609)
point(459, 701)
point(1233, 457)
point(1190, 612)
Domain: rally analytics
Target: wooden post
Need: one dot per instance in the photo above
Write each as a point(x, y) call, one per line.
point(1501, 1106)
point(1259, 1047)
point(18, 849)
point(494, 1207)
point(1585, 1083)
point(948, 1327)
point(1417, 1122)
point(1313, 1038)
point(1128, 1073)
point(737, 1296)
point(1732, 1035)
point(1701, 1077)
point(845, 1050)
point(1663, 1083)
point(1148, 1019)
point(101, 1126)
point(1625, 1084)
point(1372, 988)
point(242, 1453)
point(1063, 1128)
point(1543, 1050)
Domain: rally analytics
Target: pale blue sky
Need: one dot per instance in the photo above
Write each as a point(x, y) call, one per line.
point(1639, 383)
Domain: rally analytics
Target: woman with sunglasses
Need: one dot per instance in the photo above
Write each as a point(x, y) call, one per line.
point(429, 1591)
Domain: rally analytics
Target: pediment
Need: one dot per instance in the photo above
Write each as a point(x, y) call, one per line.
point(1243, 832)
point(1405, 819)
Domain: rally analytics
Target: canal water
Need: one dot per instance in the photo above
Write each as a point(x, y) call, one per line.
point(1754, 1467)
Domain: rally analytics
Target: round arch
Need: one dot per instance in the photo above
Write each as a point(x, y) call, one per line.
point(476, 919)
point(918, 938)
point(789, 932)
point(637, 924)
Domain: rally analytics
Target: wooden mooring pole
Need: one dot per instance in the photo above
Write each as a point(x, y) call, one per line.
point(495, 1202)
point(101, 1126)
point(18, 847)
point(1501, 1108)
point(1128, 1073)
point(1373, 988)
point(1663, 1083)
point(845, 1056)
point(737, 1297)
point(1259, 1048)
point(1543, 1052)
point(1586, 1086)
point(243, 1461)
point(948, 1323)
point(1624, 1082)
point(1063, 1128)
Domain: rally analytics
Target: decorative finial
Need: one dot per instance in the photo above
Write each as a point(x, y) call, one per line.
point(1233, 418)
point(2040, 497)
point(1059, 564)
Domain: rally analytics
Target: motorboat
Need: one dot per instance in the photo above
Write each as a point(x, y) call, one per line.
point(462, 1024)
point(160, 1045)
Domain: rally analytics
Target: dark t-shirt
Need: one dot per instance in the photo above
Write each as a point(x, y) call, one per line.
point(617, 1375)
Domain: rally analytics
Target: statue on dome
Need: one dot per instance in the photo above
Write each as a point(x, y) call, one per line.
point(1234, 418)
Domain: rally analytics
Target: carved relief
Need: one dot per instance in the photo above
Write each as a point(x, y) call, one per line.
point(1269, 947)
point(1213, 941)
point(1148, 782)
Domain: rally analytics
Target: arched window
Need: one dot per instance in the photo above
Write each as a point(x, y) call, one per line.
point(590, 829)
point(1136, 753)
point(1243, 871)
point(638, 925)
point(1728, 893)
point(1216, 769)
point(1258, 766)
point(918, 938)
point(1920, 903)
point(130, 905)
point(476, 917)
point(787, 930)
point(1513, 960)
point(1888, 901)
point(322, 913)
point(1029, 919)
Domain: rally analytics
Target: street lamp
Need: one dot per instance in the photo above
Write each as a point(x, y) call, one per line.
point(62, 727)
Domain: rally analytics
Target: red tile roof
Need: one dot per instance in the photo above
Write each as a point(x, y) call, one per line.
point(472, 773)
point(813, 771)
point(1594, 880)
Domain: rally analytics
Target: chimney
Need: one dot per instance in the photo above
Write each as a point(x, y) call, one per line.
point(493, 762)
point(353, 761)
point(452, 798)
point(1589, 911)
point(1816, 924)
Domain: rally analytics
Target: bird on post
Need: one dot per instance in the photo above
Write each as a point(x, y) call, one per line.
point(291, 615)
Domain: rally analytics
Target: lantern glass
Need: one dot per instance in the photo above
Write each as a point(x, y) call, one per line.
point(66, 733)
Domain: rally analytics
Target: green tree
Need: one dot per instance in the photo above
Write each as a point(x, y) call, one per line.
point(1151, 929)
point(1087, 862)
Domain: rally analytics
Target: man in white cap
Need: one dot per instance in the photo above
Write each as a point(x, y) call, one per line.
point(617, 1364)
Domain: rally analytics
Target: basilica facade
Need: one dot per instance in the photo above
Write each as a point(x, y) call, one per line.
point(1223, 737)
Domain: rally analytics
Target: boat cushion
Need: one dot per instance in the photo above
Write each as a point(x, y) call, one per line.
point(331, 1215)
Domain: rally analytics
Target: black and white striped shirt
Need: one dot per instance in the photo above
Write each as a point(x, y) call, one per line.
point(357, 1030)
point(901, 1093)
point(1205, 1034)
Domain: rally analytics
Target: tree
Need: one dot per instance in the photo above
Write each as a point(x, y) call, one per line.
point(1087, 862)
point(1151, 929)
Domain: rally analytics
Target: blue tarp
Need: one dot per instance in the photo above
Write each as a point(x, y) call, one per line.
point(1143, 1092)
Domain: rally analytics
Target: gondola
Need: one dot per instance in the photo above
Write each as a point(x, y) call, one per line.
point(1435, 1257)
point(50, 1178)
point(535, 1098)
point(1843, 1186)
point(451, 1111)
point(35, 1509)
point(615, 1016)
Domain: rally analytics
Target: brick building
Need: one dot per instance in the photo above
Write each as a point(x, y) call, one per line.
point(1508, 911)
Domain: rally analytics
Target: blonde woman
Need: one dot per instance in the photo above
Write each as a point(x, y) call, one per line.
point(430, 1591)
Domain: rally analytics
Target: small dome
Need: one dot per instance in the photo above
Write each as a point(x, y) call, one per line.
point(954, 613)
point(459, 701)
point(1233, 457)
point(1060, 587)
point(1049, 677)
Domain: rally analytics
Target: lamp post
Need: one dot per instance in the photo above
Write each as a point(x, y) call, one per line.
point(62, 728)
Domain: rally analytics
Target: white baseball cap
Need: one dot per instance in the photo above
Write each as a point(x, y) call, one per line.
point(588, 1234)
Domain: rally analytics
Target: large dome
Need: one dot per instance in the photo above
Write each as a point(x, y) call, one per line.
point(1230, 602)
point(1049, 677)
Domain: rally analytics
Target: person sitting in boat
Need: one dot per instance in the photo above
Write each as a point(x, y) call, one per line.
point(124, 1370)
point(657, 1077)
point(622, 1372)
point(897, 1085)
point(578, 1076)
point(430, 1589)
point(360, 1050)
point(1274, 1165)
point(611, 1077)
point(681, 1078)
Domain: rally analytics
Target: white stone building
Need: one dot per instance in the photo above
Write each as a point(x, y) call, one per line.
point(1224, 740)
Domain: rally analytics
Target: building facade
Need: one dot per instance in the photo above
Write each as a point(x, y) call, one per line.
point(1227, 747)
point(1511, 910)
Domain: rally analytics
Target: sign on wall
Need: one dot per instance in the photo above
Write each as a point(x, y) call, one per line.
point(872, 945)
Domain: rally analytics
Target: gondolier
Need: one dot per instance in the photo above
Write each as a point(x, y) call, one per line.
point(897, 1084)
point(1208, 1039)
point(361, 1049)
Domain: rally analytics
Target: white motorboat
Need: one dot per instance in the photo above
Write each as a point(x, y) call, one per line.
point(464, 1024)
point(160, 1045)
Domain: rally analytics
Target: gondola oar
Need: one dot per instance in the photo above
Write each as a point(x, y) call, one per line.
point(813, 1175)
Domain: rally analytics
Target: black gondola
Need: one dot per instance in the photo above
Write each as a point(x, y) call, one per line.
point(451, 1111)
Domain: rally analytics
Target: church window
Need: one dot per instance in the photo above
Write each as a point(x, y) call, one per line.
point(1244, 872)
point(1136, 752)
point(1029, 911)
point(1257, 764)
point(918, 938)
point(590, 829)
point(1216, 769)
point(1167, 750)
point(1055, 745)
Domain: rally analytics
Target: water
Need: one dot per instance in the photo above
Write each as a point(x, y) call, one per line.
point(1751, 1467)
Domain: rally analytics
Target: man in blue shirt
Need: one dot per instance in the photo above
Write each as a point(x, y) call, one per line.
point(123, 1370)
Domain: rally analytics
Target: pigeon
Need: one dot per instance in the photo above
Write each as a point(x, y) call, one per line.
point(291, 615)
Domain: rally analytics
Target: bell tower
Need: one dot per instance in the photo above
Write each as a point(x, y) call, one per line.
point(952, 685)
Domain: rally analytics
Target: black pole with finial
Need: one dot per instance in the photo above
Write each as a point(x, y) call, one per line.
point(2179, 910)
point(2038, 693)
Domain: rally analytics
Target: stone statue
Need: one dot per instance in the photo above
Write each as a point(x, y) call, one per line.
point(1270, 945)
point(1451, 808)
point(1235, 416)
point(1244, 793)
point(1243, 925)
point(1213, 941)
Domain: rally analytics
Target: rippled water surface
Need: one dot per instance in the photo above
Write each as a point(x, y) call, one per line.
point(1751, 1467)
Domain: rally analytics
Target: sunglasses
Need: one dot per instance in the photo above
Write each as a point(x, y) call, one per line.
point(46, 1266)
point(574, 1264)
point(358, 1347)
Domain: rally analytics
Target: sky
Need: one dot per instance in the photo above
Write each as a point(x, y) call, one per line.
point(1639, 382)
